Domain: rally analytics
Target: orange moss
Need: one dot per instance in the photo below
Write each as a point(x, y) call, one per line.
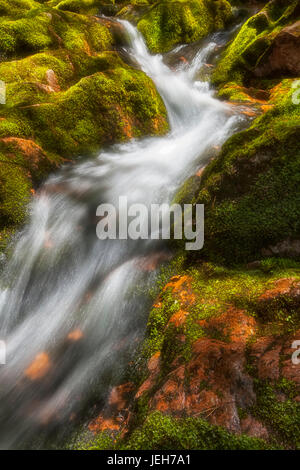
point(181, 287)
point(178, 318)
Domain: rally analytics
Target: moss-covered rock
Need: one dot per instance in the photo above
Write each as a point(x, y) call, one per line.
point(44, 28)
point(14, 193)
point(251, 191)
point(211, 361)
point(91, 7)
point(106, 107)
point(106, 7)
point(250, 48)
point(16, 8)
point(168, 23)
point(23, 165)
point(161, 432)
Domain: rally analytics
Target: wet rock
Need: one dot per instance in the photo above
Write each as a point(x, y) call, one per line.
point(114, 415)
point(39, 367)
point(171, 397)
point(120, 395)
point(268, 364)
point(283, 57)
point(167, 24)
point(220, 367)
point(213, 385)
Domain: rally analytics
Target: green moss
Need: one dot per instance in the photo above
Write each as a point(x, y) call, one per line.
point(187, 191)
point(160, 432)
point(282, 311)
point(14, 126)
point(157, 322)
point(163, 433)
point(281, 415)
point(16, 8)
point(181, 21)
point(25, 34)
point(251, 190)
point(5, 238)
point(14, 193)
point(27, 79)
point(233, 92)
point(45, 28)
point(102, 108)
point(271, 265)
point(87, 7)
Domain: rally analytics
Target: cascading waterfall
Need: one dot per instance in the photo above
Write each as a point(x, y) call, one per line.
point(68, 308)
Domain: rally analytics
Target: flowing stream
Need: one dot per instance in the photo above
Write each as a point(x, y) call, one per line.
point(69, 304)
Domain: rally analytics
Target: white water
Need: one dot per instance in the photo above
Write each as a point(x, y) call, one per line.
point(62, 278)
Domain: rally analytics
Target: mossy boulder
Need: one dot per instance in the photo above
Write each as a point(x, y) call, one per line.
point(213, 372)
point(91, 7)
point(168, 23)
point(251, 190)
point(251, 47)
point(16, 8)
point(105, 107)
point(44, 28)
